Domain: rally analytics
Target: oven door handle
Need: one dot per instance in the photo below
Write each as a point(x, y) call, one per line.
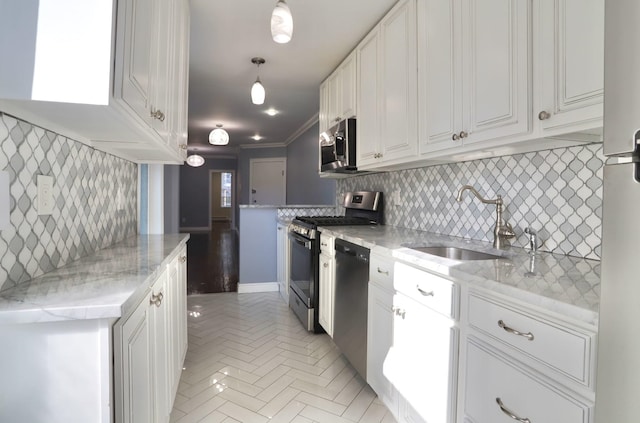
point(306, 243)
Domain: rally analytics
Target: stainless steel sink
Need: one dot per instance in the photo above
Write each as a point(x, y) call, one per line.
point(455, 253)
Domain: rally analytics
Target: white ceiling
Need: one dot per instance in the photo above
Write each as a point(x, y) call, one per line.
point(226, 34)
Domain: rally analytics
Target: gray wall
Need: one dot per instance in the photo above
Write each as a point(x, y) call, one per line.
point(84, 219)
point(304, 186)
point(557, 192)
point(244, 158)
point(171, 199)
point(194, 191)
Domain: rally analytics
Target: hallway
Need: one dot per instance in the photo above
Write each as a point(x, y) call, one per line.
point(212, 264)
point(251, 361)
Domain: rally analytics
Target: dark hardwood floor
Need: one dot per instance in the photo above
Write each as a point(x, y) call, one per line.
point(212, 264)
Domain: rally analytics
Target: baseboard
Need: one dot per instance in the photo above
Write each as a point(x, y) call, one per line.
point(245, 288)
point(195, 229)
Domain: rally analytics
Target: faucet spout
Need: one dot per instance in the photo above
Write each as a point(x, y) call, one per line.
point(502, 231)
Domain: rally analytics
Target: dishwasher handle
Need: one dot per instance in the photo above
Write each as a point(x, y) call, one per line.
point(354, 251)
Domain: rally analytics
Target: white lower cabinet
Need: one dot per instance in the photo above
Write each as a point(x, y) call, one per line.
point(499, 390)
point(326, 283)
point(282, 242)
point(149, 349)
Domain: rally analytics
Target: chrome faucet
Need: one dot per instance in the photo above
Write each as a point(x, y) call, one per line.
point(503, 231)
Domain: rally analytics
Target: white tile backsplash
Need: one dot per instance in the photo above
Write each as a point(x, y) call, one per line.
point(556, 192)
point(84, 217)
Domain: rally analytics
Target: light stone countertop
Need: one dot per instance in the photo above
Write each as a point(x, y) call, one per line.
point(104, 285)
point(284, 206)
point(564, 285)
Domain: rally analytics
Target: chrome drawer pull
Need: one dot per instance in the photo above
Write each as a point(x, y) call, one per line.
point(527, 335)
point(425, 293)
point(383, 271)
point(509, 413)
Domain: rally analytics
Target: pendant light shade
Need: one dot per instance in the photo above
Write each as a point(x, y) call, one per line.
point(195, 160)
point(258, 92)
point(281, 23)
point(219, 136)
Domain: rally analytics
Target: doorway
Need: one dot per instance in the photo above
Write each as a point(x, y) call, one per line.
point(222, 198)
point(268, 181)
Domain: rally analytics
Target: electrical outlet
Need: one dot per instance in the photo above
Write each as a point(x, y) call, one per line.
point(396, 198)
point(45, 195)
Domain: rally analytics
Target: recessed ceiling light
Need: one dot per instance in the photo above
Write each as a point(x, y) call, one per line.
point(256, 137)
point(271, 112)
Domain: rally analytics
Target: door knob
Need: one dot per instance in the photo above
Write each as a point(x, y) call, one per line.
point(463, 134)
point(455, 137)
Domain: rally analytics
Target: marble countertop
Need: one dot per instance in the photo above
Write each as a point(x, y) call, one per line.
point(565, 285)
point(284, 206)
point(103, 285)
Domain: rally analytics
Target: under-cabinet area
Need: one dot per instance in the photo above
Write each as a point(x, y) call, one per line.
point(106, 333)
point(475, 341)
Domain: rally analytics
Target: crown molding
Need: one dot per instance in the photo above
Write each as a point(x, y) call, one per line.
point(305, 126)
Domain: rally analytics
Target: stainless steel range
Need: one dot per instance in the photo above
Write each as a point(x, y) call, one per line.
point(361, 208)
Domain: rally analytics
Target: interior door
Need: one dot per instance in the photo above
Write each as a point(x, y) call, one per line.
point(267, 181)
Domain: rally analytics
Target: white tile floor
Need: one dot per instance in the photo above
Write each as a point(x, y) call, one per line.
point(250, 361)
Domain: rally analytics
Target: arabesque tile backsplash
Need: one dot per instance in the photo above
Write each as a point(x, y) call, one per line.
point(85, 216)
point(556, 192)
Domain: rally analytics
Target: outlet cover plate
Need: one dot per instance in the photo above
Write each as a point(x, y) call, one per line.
point(5, 200)
point(45, 195)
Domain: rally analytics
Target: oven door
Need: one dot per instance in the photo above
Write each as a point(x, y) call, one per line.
point(302, 273)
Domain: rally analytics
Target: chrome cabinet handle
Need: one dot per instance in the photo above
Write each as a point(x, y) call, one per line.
point(183, 146)
point(384, 272)
point(425, 293)
point(157, 114)
point(463, 134)
point(509, 413)
point(183, 259)
point(337, 119)
point(527, 335)
point(153, 299)
point(325, 264)
point(455, 137)
point(544, 115)
point(324, 245)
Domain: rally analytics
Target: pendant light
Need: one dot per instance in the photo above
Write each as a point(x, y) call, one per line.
point(281, 23)
point(195, 160)
point(257, 89)
point(219, 136)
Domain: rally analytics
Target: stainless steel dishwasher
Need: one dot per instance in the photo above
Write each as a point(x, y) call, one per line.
point(350, 306)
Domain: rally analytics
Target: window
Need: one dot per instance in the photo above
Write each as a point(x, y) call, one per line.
point(225, 189)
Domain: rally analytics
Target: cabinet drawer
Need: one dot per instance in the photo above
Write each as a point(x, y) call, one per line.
point(437, 293)
point(327, 244)
point(381, 271)
point(489, 378)
point(558, 347)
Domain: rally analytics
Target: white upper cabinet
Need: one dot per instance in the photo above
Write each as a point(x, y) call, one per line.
point(475, 71)
point(569, 53)
point(338, 94)
point(387, 90)
point(114, 76)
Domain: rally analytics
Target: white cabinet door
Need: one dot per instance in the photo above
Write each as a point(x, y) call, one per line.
point(182, 309)
point(134, 368)
point(423, 368)
point(379, 342)
point(496, 389)
point(398, 82)
point(179, 78)
point(162, 342)
point(175, 345)
point(323, 116)
point(496, 69)
point(569, 61)
point(334, 99)
point(326, 287)
point(368, 122)
point(138, 55)
point(474, 71)
point(347, 103)
point(440, 74)
point(283, 261)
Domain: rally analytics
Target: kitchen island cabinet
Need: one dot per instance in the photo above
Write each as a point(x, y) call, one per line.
point(87, 343)
point(114, 76)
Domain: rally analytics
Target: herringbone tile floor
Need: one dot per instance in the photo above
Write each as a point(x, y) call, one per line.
point(250, 361)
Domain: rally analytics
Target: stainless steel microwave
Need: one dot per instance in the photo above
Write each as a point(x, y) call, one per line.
point(338, 148)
